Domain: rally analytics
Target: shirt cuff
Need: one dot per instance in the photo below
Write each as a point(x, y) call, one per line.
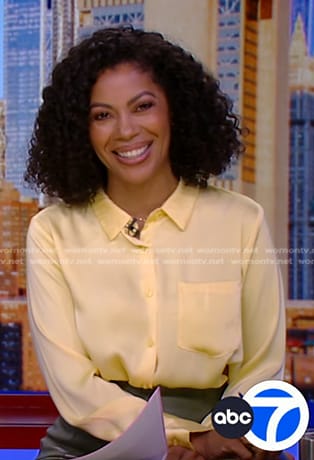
point(178, 430)
point(207, 421)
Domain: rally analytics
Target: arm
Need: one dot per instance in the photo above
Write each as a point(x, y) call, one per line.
point(263, 312)
point(263, 335)
point(81, 396)
point(263, 315)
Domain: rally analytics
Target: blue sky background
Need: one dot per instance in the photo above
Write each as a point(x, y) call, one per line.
point(294, 4)
point(1, 49)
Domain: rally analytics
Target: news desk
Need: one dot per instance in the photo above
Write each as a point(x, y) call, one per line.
point(24, 419)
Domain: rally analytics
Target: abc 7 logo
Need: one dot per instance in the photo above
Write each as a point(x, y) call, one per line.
point(232, 417)
point(273, 415)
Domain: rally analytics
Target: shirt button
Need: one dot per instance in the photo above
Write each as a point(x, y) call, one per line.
point(149, 293)
point(150, 343)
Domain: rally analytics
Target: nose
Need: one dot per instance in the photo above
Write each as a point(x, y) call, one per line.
point(126, 126)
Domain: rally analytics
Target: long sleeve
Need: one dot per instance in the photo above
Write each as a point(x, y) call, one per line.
point(263, 315)
point(82, 397)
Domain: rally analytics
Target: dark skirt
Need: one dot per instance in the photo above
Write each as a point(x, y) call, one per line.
point(64, 441)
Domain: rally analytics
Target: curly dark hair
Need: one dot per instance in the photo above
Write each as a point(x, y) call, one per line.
point(205, 133)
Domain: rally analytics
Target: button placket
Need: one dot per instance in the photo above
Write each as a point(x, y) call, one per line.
point(149, 292)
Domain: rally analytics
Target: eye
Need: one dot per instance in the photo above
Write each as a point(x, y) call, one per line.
point(99, 116)
point(144, 106)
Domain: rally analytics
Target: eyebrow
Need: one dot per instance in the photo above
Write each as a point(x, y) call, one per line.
point(131, 101)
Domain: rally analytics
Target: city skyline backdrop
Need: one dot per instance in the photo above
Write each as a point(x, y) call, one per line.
point(270, 78)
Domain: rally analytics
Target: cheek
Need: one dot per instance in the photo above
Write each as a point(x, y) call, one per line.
point(98, 136)
point(102, 155)
point(161, 127)
point(92, 135)
point(165, 133)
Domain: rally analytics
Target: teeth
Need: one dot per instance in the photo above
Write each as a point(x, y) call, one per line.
point(132, 153)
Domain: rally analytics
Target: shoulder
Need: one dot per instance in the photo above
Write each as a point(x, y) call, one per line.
point(56, 216)
point(232, 215)
point(230, 204)
point(50, 214)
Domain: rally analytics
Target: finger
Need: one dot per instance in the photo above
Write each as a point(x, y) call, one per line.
point(173, 453)
point(181, 453)
point(262, 455)
point(238, 449)
point(265, 455)
point(184, 456)
point(190, 455)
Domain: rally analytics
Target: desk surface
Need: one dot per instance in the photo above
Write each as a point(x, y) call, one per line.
point(24, 419)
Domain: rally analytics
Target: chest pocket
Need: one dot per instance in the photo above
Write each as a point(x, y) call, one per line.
point(209, 317)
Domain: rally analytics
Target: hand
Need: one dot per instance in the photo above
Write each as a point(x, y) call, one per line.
point(181, 453)
point(211, 445)
point(260, 454)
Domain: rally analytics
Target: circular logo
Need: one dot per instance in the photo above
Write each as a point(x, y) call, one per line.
point(281, 415)
point(232, 417)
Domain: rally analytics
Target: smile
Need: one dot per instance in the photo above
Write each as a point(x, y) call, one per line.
point(135, 153)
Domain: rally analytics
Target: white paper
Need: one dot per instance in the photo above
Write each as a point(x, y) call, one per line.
point(145, 439)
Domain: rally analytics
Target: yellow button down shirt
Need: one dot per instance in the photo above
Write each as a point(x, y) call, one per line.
point(198, 292)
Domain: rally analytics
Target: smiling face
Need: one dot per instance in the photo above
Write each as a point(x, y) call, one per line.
point(130, 126)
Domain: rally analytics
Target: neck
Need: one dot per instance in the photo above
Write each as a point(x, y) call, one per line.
point(139, 200)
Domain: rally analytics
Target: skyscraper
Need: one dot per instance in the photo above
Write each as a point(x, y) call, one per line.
point(229, 62)
point(64, 27)
point(95, 14)
point(305, 9)
point(229, 48)
point(22, 77)
point(19, 369)
point(2, 140)
point(15, 214)
point(252, 58)
point(301, 185)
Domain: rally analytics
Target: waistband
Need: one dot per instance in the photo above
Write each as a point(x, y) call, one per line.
point(189, 403)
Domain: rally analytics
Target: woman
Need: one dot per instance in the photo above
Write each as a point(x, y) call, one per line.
point(143, 275)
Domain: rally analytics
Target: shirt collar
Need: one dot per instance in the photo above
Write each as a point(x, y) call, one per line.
point(112, 218)
point(180, 204)
point(178, 207)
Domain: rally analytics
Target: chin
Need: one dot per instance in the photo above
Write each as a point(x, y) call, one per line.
point(138, 179)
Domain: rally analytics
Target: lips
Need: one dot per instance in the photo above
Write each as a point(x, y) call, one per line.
point(133, 154)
